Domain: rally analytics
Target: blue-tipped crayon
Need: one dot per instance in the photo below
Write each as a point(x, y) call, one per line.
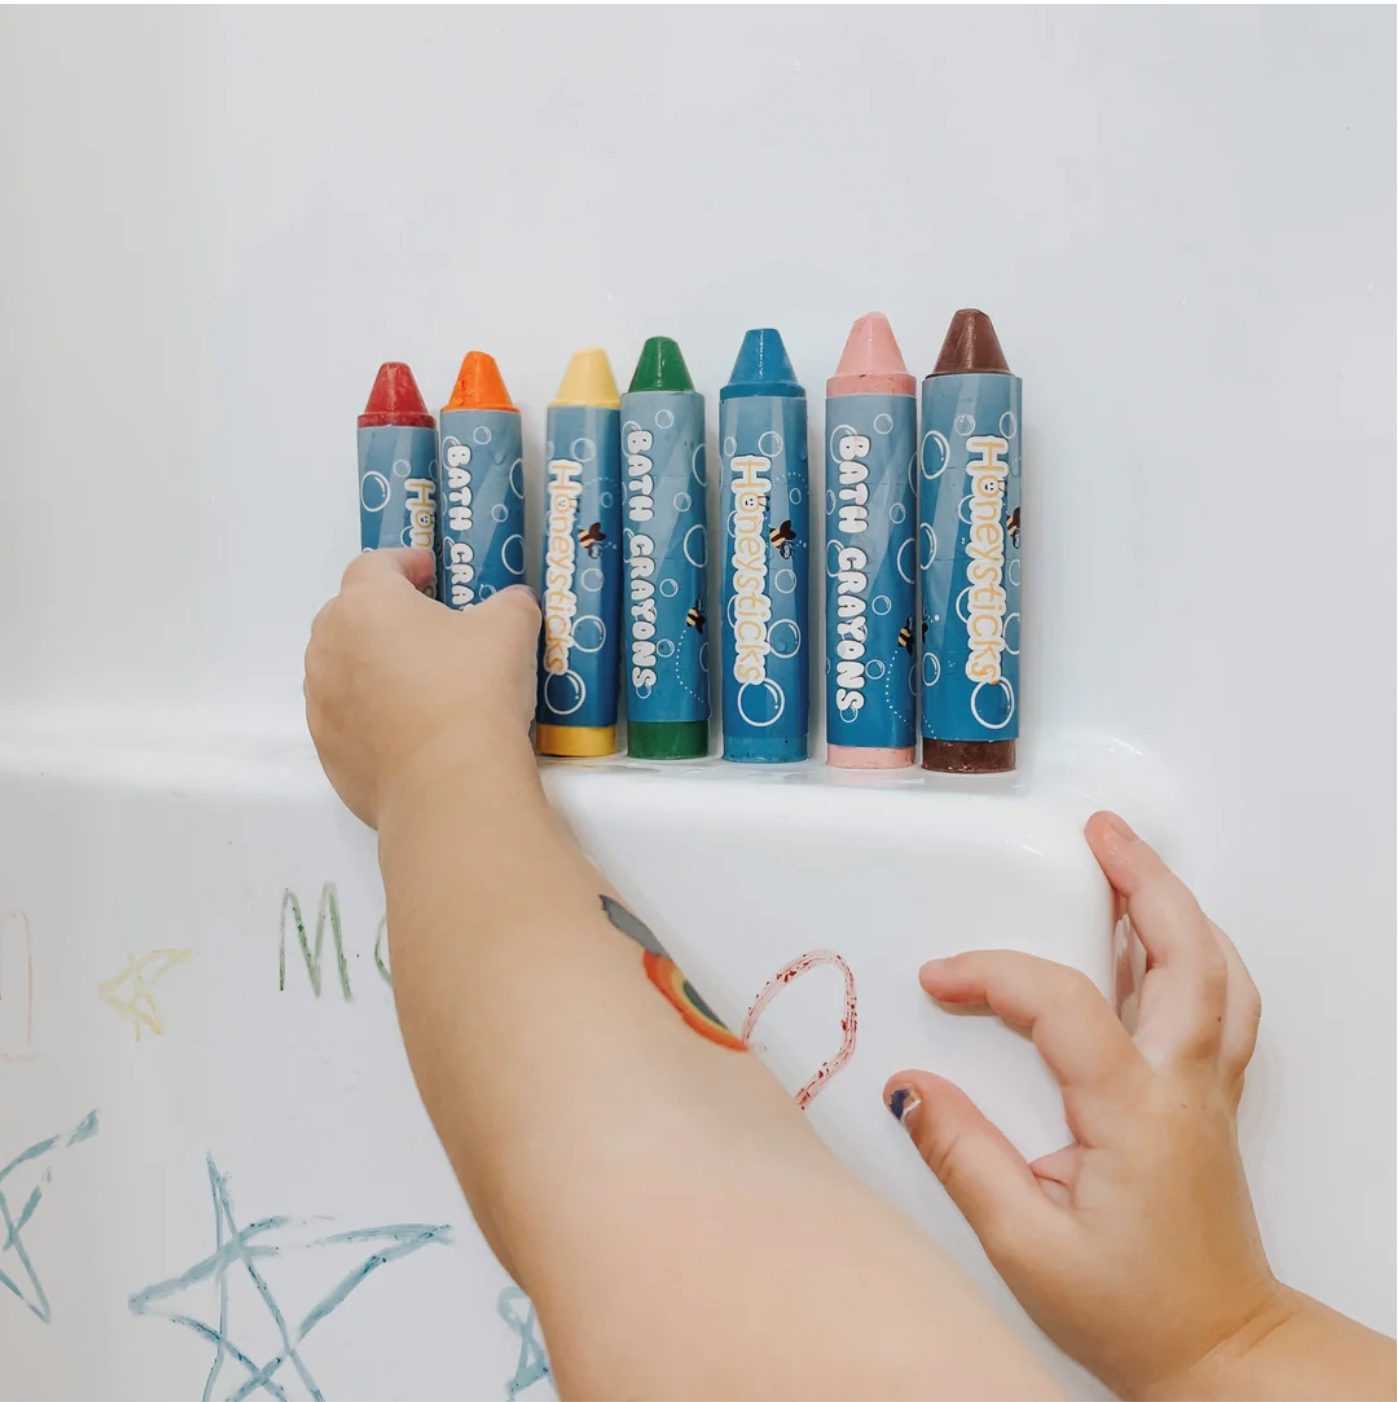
point(766, 509)
point(397, 465)
point(482, 521)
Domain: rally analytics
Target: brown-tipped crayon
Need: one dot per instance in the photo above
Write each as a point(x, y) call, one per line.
point(968, 553)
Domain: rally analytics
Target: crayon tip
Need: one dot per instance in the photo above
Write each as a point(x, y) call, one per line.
point(872, 362)
point(588, 381)
point(971, 347)
point(661, 366)
point(762, 367)
point(395, 400)
point(479, 385)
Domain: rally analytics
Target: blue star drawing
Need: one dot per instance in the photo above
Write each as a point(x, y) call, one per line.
point(28, 1287)
point(533, 1362)
point(245, 1247)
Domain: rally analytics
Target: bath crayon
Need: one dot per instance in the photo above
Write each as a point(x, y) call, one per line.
point(968, 553)
point(580, 648)
point(870, 567)
point(766, 511)
point(481, 525)
point(666, 554)
point(397, 464)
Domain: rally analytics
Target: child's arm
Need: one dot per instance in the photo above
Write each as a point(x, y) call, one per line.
point(1135, 1248)
point(680, 1227)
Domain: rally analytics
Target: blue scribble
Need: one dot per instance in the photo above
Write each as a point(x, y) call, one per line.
point(244, 1247)
point(533, 1364)
point(29, 1288)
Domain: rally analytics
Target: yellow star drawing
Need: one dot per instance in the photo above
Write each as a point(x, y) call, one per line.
point(130, 991)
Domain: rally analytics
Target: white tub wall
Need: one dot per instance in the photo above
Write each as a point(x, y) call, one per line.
point(218, 223)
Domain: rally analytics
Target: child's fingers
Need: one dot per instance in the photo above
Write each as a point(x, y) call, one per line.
point(1183, 993)
point(1241, 1016)
point(418, 567)
point(983, 1173)
point(1072, 1024)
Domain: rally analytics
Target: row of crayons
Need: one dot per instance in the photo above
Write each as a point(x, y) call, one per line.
point(626, 557)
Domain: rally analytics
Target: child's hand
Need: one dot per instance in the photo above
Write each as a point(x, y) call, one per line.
point(1135, 1248)
point(397, 685)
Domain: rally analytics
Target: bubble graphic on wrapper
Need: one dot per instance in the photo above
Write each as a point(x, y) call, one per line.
point(665, 648)
point(682, 501)
point(829, 503)
point(883, 423)
point(874, 669)
point(963, 424)
point(584, 449)
point(832, 558)
point(512, 554)
point(848, 714)
point(589, 633)
point(935, 453)
point(605, 498)
point(927, 539)
point(643, 692)
point(912, 681)
point(730, 446)
point(669, 588)
point(703, 657)
point(963, 510)
point(564, 692)
point(699, 465)
point(904, 560)
point(374, 491)
point(790, 636)
point(485, 591)
point(881, 604)
point(696, 546)
point(794, 496)
point(1008, 425)
point(591, 580)
point(517, 478)
point(407, 537)
point(837, 434)
point(994, 709)
point(897, 513)
point(401, 467)
point(664, 418)
point(500, 512)
point(761, 704)
point(931, 669)
point(784, 581)
point(480, 434)
point(732, 610)
point(1012, 571)
point(1010, 638)
point(962, 598)
point(769, 444)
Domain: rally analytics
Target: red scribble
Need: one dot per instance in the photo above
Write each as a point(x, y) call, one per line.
point(802, 964)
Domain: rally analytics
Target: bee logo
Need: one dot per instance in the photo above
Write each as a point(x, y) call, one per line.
point(696, 617)
point(905, 636)
point(1012, 527)
point(591, 539)
point(783, 537)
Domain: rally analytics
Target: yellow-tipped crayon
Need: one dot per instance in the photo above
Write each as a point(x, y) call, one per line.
point(580, 657)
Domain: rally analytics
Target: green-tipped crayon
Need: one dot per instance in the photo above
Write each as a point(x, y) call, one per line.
point(666, 555)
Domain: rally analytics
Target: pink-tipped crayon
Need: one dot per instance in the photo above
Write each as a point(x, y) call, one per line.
point(871, 562)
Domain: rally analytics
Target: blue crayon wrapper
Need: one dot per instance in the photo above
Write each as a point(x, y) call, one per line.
point(398, 488)
point(871, 569)
point(666, 552)
point(766, 552)
point(481, 526)
point(968, 553)
point(580, 650)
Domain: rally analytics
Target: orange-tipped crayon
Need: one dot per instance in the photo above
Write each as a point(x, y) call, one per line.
point(482, 478)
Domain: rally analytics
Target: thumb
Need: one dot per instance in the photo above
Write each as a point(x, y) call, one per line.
point(983, 1173)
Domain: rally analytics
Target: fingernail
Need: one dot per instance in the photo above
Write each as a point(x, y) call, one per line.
point(935, 966)
point(1121, 828)
point(902, 1103)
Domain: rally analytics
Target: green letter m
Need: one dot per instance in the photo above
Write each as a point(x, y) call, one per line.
point(329, 906)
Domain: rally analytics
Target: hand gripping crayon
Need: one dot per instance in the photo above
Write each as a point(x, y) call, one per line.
point(580, 650)
point(667, 581)
point(397, 465)
point(968, 553)
point(481, 526)
point(766, 511)
point(870, 566)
